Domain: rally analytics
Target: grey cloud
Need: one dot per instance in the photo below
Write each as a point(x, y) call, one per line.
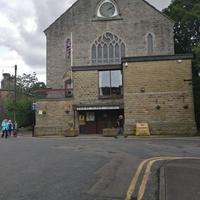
point(49, 10)
point(159, 4)
point(31, 45)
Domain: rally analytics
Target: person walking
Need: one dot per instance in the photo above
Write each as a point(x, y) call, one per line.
point(10, 128)
point(120, 127)
point(4, 126)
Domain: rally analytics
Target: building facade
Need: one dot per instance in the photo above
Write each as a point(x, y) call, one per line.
point(106, 58)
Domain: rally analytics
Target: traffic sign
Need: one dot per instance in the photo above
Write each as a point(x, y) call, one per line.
point(33, 107)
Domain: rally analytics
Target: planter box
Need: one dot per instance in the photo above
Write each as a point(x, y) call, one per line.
point(70, 133)
point(109, 132)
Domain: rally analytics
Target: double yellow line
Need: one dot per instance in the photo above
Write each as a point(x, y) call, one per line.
point(150, 162)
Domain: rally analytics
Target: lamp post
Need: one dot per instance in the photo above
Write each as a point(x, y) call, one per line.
point(15, 93)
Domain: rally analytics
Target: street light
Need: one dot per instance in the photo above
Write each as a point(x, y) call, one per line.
point(15, 93)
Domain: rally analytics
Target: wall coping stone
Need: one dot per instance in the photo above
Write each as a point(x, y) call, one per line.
point(157, 58)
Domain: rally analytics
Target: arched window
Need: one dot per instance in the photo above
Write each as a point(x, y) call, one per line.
point(108, 48)
point(68, 88)
point(150, 43)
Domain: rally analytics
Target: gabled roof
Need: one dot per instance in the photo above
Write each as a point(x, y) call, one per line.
point(159, 11)
point(60, 16)
point(79, 0)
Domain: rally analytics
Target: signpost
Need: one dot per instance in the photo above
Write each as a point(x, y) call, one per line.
point(33, 108)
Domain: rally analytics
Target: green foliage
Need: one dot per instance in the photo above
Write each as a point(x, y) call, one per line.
point(37, 86)
point(196, 83)
point(186, 14)
point(27, 85)
point(23, 112)
point(197, 57)
point(26, 82)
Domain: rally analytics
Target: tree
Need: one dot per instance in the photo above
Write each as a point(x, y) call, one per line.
point(186, 14)
point(26, 87)
point(27, 84)
point(23, 112)
point(196, 83)
point(197, 57)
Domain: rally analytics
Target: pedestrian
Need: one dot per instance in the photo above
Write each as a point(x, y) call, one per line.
point(4, 126)
point(10, 127)
point(120, 127)
point(15, 129)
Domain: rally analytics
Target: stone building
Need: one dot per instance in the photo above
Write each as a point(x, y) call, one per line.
point(112, 57)
point(6, 92)
point(7, 82)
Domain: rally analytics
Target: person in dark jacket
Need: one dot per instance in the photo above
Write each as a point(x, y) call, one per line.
point(120, 127)
point(15, 129)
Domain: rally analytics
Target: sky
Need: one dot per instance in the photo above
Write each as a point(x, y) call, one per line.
point(22, 38)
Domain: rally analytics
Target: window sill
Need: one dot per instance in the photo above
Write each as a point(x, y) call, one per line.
point(111, 97)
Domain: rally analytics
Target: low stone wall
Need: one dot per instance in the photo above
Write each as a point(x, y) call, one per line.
point(49, 131)
point(164, 128)
point(173, 128)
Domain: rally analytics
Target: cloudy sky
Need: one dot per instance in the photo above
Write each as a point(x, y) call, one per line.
point(22, 40)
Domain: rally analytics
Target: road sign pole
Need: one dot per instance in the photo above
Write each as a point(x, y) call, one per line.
point(33, 108)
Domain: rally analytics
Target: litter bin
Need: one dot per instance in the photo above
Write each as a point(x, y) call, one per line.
point(142, 129)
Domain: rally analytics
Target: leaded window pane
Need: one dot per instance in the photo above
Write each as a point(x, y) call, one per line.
point(108, 48)
point(150, 43)
point(117, 58)
point(111, 54)
point(123, 50)
point(94, 57)
point(99, 54)
point(105, 53)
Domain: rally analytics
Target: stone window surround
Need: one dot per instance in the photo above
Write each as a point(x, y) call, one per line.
point(108, 48)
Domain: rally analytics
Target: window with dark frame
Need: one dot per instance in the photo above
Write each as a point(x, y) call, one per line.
point(110, 83)
point(109, 48)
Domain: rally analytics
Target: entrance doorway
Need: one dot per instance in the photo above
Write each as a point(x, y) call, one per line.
point(96, 121)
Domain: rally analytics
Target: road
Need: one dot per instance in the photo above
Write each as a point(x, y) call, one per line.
point(88, 167)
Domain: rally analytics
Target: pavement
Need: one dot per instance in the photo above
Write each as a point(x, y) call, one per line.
point(179, 177)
